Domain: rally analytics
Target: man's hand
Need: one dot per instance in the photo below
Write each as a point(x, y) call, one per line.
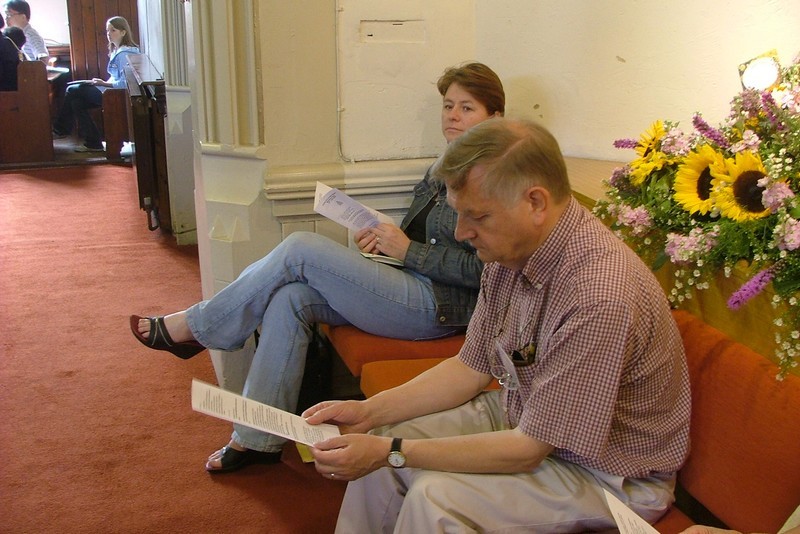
point(701, 529)
point(350, 416)
point(351, 456)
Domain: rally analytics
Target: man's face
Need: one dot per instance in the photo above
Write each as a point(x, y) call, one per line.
point(15, 18)
point(507, 234)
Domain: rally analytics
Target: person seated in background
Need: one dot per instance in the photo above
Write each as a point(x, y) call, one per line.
point(18, 13)
point(579, 334)
point(10, 56)
point(83, 95)
point(17, 37)
point(310, 279)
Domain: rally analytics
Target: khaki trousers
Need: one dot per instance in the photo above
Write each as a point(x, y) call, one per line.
point(557, 496)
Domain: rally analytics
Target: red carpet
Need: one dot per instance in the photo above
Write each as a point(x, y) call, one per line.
point(97, 432)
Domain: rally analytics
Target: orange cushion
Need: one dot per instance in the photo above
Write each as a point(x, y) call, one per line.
point(355, 347)
point(386, 374)
point(744, 464)
point(379, 376)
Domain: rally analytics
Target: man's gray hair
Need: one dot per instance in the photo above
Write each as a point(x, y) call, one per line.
point(516, 154)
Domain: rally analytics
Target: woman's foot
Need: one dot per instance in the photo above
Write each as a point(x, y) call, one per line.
point(176, 327)
point(233, 457)
point(154, 333)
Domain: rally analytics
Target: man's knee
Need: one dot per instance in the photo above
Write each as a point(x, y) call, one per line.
point(430, 501)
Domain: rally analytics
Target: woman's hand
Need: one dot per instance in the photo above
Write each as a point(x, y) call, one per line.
point(350, 457)
point(99, 81)
point(366, 241)
point(391, 241)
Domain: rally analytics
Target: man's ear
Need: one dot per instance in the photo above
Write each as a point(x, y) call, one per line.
point(539, 200)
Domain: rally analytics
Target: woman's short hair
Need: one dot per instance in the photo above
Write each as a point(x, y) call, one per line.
point(478, 80)
point(516, 155)
point(121, 24)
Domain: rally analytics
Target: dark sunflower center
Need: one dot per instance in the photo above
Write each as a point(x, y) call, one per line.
point(747, 191)
point(704, 184)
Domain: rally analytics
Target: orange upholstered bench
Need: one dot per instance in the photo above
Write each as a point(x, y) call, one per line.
point(744, 464)
point(356, 347)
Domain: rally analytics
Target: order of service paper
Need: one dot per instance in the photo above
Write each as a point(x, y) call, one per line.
point(229, 406)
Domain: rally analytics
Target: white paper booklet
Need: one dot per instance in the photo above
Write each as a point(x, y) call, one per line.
point(345, 210)
point(229, 406)
point(627, 520)
point(388, 260)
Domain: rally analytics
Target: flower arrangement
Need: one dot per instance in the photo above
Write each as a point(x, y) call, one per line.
point(718, 197)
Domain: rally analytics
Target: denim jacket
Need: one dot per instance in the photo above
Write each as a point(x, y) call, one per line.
point(453, 267)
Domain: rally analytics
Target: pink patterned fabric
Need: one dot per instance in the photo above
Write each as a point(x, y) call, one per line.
point(609, 386)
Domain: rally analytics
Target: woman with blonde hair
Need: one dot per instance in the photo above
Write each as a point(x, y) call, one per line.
point(83, 95)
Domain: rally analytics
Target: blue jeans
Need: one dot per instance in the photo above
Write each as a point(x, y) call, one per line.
point(307, 279)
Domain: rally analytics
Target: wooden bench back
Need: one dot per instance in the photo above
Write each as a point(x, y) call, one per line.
point(115, 121)
point(744, 464)
point(25, 117)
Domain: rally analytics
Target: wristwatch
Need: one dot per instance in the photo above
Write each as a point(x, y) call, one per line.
point(396, 458)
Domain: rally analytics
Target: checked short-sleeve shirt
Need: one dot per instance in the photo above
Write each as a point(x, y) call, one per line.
point(34, 47)
point(609, 386)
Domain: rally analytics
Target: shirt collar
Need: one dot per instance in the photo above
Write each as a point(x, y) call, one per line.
point(553, 247)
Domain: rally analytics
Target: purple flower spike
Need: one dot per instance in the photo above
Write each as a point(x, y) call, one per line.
point(769, 106)
point(708, 132)
point(625, 143)
point(751, 288)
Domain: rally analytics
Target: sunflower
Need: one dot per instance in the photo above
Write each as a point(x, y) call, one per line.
point(650, 157)
point(736, 191)
point(693, 180)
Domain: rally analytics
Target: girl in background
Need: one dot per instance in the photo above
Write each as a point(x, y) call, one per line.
point(83, 95)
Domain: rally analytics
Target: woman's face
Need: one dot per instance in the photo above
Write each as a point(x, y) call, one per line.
point(460, 112)
point(114, 35)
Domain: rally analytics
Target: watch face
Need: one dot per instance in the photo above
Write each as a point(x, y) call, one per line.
point(397, 459)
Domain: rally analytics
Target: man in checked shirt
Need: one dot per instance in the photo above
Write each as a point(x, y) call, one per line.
point(579, 333)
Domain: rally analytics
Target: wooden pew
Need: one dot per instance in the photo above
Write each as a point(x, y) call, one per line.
point(25, 117)
point(115, 121)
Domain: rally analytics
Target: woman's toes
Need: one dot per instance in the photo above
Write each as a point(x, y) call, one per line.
point(144, 327)
point(215, 460)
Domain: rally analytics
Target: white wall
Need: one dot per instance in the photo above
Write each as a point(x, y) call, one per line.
point(390, 55)
point(49, 17)
point(596, 71)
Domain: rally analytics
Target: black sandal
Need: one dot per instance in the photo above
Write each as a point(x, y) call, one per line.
point(158, 338)
point(233, 459)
